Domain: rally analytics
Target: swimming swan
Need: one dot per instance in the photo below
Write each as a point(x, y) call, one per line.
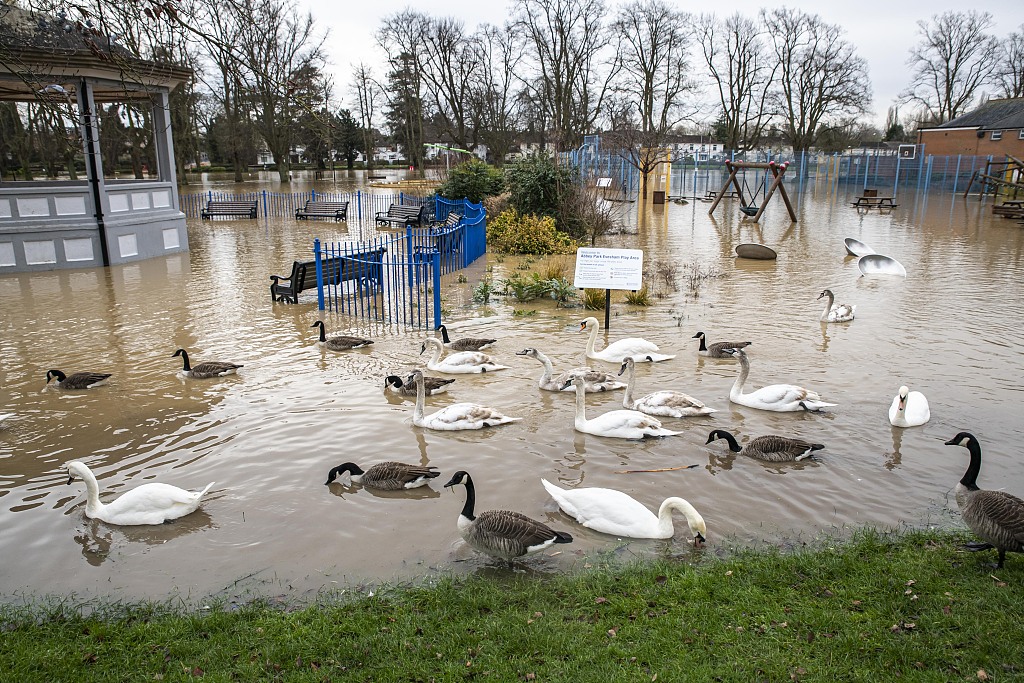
point(613, 512)
point(594, 381)
point(909, 409)
point(835, 313)
point(147, 504)
point(781, 398)
point(638, 349)
point(663, 403)
point(619, 424)
point(461, 363)
point(458, 416)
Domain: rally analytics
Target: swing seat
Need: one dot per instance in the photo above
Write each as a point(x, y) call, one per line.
point(750, 210)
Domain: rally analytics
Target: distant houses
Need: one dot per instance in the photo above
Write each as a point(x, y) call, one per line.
point(995, 128)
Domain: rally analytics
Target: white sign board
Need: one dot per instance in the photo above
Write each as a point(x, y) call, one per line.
point(609, 268)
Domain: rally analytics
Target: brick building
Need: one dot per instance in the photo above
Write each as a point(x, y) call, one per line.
point(995, 128)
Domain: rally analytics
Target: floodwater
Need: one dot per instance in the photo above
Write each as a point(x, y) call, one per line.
point(268, 436)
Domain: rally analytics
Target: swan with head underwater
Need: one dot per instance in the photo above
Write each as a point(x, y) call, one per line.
point(456, 417)
point(619, 424)
point(780, 398)
point(835, 313)
point(909, 409)
point(461, 363)
point(663, 403)
point(594, 381)
point(152, 503)
point(640, 350)
point(616, 513)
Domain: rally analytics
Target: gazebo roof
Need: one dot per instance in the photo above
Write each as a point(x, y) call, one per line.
point(38, 51)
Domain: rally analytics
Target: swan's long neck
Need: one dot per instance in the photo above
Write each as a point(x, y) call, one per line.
point(665, 524)
point(627, 398)
point(970, 478)
point(435, 353)
point(592, 341)
point(93, 506)
point(828, 305)
point(467, 509)
point(548, 369)
point(581, 402)
point(741, 378)
point(421, 393)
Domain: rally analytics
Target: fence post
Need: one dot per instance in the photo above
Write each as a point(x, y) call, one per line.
point(436, 261)
point(409, 260)
point(319, 274)
point(401, 198)
point(312, 195)
point(359, 205)
point(956, 174)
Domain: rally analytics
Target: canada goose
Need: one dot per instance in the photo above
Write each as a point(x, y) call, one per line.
point(456, 417)
point(997, 517)
point(339, 342)
point(619, 424)
point(781, 398)
point(594, 381)
point(835, 313)
point(909, 409)
point(715, 350)
point(638, 349)
point(465, 343)
point(503, 534)
point(432, 385)
point(663, 403)
point(770, 448)
point(387, 476)
point(614, 512)
point(461, 363)
point(147, 504)
point(78, 380)
point(204, 370)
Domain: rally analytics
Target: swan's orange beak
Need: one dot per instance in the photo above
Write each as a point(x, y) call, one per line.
point(583, 326)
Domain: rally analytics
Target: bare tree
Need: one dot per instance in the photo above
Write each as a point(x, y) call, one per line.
point(565, 39)
point(451, 66)
point(820, 76)
point(736, 55)
point(403, 36)
point(499, 53)
point(954, 59)
point(368, 94)
point(1010, 73)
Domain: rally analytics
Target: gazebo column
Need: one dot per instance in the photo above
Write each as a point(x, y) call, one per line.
point(164, 141)
point(93, 160)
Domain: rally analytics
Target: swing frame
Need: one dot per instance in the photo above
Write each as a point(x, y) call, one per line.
point(777, 171)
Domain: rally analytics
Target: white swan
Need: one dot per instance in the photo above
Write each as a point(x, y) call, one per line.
point(619, 424)
point(458, 416)
point(835, 313)
point(461, 363)
point(781, 398)
point(613, 512)
point(638, 349)
point(664, 403)
point(909, 409)
point(594, 381)
point(147, 504)
point(4, 417)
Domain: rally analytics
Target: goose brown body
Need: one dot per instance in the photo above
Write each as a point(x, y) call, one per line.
point(206, 369)
point(770, 447)
point(386, 476)
point(339, 342)
point(715, 350)
point(464, 343)
point(431, 385)
point(77, 380)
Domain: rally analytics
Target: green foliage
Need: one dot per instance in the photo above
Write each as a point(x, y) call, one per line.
point(513, 233)
point(523, 288)
point(482, 292)
point(640, 297)
point(473, 180)
point(561, 290)
point(536, 183)
point(593, 299)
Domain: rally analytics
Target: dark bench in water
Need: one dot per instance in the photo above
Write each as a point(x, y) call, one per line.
point(365, 266)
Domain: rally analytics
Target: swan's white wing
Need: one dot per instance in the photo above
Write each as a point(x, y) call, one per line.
point(670, 399)
point(466, 358)
point(605, 510)
point(629, 347)
point(152, 504)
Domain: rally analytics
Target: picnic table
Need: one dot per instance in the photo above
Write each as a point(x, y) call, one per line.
point(874, 202)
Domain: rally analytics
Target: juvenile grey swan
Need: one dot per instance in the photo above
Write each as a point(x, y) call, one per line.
point(464, 343)
point(502, 534)
point(665, 403)
point(205, 369)
point(770, 448)
point(715, 350)
point(996, 517)
point(78, 380)
point(594, 381)
point(835, 313)
point(431, 385)
point(386, 476)
point(339, 342)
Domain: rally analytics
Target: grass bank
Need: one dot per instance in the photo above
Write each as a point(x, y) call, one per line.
point(911, 606)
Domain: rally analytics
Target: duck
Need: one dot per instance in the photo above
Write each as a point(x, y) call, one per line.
point(835, 313)
point(594, 381)
point(152, 503)
point(77, 380)
point(432, 385)
point(456, 417)
point(340, 342)
point(502, 534)
point(618, 424)
point(460, 363)
point(205, 370)
point(619, 514)
point(780, 398)
point(996, 517)
point(638, 349)
point(663, 403)
point(715, 350)
point(465, 343)
point(770, 448)
point(386, 476)
point(909, 409)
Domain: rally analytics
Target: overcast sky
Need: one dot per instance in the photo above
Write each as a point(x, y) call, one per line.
point(882, 31)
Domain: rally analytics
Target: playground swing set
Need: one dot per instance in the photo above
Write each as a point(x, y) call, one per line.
point(753, 209)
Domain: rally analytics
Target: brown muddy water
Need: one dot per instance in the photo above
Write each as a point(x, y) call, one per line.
point(951, 329)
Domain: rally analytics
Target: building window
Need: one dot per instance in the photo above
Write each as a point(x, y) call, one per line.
point(1020, 134)
point(997, 135)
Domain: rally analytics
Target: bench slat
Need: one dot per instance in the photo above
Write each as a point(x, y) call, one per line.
point(402, 214)
point(336, 269)
point(219, 207)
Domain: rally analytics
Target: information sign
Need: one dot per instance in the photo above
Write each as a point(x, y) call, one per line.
point(609, 268)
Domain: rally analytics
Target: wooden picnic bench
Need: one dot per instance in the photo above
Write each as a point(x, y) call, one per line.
point(1009, 208)
point(319, 209)
point(365, 266)
point(874, 202)
point(402, 214)
point(220, 207)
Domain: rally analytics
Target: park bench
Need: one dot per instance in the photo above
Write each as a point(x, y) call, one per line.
point(402, 214)
point(318, 209)
point(452, 221)
point(1010, 208)
point(363, 267)
point(219, 207)
point(874, 202)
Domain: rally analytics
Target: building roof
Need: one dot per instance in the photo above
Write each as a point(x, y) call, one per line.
point(993, 115)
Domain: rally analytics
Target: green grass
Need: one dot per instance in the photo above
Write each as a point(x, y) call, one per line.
point(877, 608)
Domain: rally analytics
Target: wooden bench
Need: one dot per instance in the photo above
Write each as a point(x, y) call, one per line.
point(402, 214)
point(218, 207)
point(1010, 208)
point(446, 242)
point(452, 221)
point(365, 266)
point(317, 209)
